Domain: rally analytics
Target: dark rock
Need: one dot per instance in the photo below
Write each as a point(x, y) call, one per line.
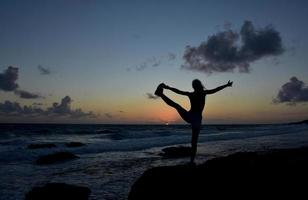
point(74, 144)
point(40, 146)
point(176, 152)
point(55, 158)
point(58, 191)
point(276, 174)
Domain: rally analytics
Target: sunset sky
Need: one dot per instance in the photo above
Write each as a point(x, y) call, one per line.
point(99, 60)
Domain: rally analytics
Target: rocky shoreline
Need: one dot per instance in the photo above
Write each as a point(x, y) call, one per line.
point(278, 173)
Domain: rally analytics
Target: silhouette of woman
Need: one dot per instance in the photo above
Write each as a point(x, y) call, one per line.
point(197, 102)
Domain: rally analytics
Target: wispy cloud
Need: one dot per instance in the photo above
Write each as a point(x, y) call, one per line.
point(222, 52)
point(27, 95)
point(171, 56)
point(154, 62)
point(151, 96)
point(43, 70)
point(108, 115)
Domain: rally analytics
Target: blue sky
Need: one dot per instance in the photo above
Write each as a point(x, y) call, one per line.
point(93, 48)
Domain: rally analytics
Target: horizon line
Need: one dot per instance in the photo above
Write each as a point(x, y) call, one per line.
point(145, 124)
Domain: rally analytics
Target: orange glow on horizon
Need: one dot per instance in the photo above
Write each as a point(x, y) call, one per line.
point(218, 109)
point(167, 116)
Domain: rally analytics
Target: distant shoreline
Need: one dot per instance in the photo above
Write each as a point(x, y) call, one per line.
point(66, 124)
point(102, 124)
point(154, 124)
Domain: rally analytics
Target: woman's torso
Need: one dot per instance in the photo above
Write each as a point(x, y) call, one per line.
point(197, 102)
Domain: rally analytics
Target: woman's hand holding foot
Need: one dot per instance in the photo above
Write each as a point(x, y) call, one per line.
point(165, 86)
point(159, 90)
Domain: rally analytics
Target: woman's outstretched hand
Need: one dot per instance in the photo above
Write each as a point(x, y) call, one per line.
point(229, 84)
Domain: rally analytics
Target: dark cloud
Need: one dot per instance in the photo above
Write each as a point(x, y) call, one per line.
point(222, 52)
point(155, 61)
point(26, 95)
point(8, 83)
point(292, 92)
point(43, 70)
point(15, 109)
point(57, 109)
point(8, 79)
point(64, 108)
point(151, 96)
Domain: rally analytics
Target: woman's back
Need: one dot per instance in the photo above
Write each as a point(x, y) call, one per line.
point(197, 101)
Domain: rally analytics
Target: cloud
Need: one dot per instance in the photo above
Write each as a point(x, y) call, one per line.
point(142, 66)
point(61, 108)
point(292, 92)
point(222, 52)
point(154, 62)
point(57, 109)
point(8, 84)
point(108, 115)
point(78, 113)
point(64, 108)
point(8, 79)
point(152, 96)
point(15, 109)
point(26, 95)
point(43, 70)
point(171, 56)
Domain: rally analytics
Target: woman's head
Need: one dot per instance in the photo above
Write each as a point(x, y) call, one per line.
point(197, 85)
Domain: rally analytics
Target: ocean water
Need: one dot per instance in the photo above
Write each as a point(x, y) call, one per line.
point(114, 156)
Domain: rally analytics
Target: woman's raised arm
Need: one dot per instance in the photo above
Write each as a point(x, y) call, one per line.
point(229, 84)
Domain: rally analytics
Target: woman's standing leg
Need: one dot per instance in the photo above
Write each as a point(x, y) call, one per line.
point(194, 142)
